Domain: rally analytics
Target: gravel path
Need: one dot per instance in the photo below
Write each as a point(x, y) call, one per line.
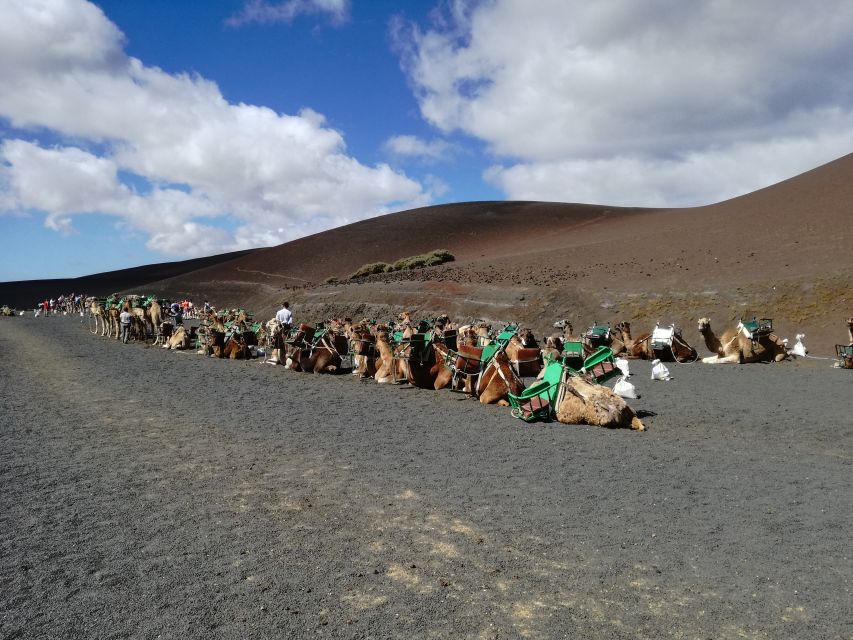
point(153, 494)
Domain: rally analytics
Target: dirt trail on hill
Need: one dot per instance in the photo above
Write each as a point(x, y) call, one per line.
point(152, 494)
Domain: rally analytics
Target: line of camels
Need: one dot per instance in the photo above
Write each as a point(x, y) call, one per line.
point(439, 354)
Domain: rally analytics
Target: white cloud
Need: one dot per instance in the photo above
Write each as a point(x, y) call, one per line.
point(281, 176)
point(414, 147)
point(264, 12)
point(668, 90)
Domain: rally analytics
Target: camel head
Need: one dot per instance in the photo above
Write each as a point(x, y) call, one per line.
point(704, 325)
point(527, 339)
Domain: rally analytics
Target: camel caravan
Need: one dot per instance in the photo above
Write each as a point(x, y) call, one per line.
point(561, 379)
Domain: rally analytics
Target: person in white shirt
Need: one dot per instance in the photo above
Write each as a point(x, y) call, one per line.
point(125, 317)
point(285, 315)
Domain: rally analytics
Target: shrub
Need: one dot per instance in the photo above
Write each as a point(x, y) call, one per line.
point(369, 269)
point(439, 256)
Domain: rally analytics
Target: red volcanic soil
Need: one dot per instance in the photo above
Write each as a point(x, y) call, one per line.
point(782, 252)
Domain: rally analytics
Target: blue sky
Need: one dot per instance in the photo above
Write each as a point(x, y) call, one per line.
point(140, 132)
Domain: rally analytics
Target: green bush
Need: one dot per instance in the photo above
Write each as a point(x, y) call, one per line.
point(369, 269)
point(439, 256)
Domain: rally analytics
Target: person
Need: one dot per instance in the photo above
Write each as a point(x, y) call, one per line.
point(177, 313)
point(125, 317)
point(285, 315)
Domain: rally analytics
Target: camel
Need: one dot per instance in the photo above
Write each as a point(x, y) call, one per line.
point(112, 308)
point(237, 347)
point(422, 360)
point(595, 405)
point(99, 314)
point(274, 341)
point(499, 377)
point(363, 346)
point(179, 339)
point(154, 316)
point(322, 355)
point(602, 336)
point(739, 347)
point(665, 344)
point(389, 370)
point(480, 330)
point(554, 343)
point(850, 331)
point(489, 381)
point(525, 357)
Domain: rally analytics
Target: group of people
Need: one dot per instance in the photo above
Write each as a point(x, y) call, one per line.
point(177, 310)
point(65, 303)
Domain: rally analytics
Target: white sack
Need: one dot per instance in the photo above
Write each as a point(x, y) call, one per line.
point(622, 363)
point(799, 348)
point(625, 389)
point(659, 371)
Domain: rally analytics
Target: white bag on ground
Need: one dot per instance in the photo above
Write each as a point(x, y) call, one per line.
point(799, 348)
point(625, 389)
point(622, 363)
point(659, 371)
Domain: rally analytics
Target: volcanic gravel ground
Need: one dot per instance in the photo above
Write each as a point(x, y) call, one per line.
point(149, 494)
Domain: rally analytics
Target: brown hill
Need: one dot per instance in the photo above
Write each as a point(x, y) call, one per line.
point(782, 251)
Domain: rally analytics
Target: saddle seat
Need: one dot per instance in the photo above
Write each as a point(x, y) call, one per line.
point(662, 338)
point(756, 327)
point(526, 363)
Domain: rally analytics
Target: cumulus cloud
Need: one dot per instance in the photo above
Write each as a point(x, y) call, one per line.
point(579, 93)
point(415, 147)
point(263, 12)
point(63, 71)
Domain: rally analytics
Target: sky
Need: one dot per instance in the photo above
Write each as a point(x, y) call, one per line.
point(142, 131)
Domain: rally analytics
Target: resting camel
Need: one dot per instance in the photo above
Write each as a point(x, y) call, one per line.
point(850, 331)
point(643, 348)
point(554, 343)
point(498, 378)
point(324, 357)
point(237, 347)
point(363, 348)
point(422, 360)
point(596, 405)
point(525, 357)
point(736, 347)
point(179, 339)
point(613, 339)
point(388, 369)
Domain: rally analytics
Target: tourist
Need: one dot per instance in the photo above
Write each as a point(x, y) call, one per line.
point(125, 317)
point(177, 312)
point(285, 315)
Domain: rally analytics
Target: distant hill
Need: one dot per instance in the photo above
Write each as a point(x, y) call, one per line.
point(24, 294)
